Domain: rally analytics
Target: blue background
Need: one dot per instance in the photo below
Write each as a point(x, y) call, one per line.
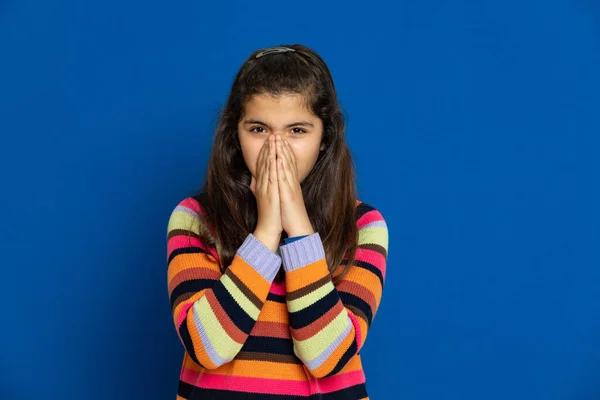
point(474, 126)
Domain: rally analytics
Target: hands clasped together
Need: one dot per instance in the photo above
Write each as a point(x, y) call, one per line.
point(278, 193)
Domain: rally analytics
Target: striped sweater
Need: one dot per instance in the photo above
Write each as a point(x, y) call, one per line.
point(247, 336)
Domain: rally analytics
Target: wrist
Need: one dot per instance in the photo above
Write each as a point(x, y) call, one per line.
point(300, 231)
point(270, 240)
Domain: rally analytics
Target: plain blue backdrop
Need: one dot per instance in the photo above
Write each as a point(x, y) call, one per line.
point(474, 127)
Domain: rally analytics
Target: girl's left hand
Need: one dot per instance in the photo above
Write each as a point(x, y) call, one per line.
point(294, 217)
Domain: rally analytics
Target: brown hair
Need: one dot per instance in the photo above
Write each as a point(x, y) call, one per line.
point(329, 191)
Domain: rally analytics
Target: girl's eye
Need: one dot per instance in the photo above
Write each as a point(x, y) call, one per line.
point(294, 130)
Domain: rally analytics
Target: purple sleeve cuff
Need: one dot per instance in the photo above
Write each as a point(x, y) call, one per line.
point(302, 252)
point(260, 257)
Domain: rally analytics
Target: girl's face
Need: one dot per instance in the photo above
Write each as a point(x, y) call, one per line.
point(285, 115)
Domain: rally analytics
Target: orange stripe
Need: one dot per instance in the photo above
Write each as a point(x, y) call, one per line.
point(251, 278)
point(354, 364)
point(186, 261)
point(262, 369)
point(364, 328)
point(258, 369)
point(190, 364)
point(301, 277)
point(274, 312)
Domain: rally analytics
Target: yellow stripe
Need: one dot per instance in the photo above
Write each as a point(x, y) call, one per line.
point(239, 297)
point(310, 298)
point(183, 220)
point(223, 344)
point(310, 348)
point(375, 234)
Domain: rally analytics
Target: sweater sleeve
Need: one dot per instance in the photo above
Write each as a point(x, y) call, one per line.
point(214, 312)
point(329, 324)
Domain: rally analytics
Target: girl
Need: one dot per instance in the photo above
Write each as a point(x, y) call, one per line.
point(275, 269)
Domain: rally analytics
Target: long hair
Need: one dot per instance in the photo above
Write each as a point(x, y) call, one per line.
point(329, 191)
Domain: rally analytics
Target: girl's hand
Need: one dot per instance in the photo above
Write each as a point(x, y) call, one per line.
point(294, 218)
point(265, 189)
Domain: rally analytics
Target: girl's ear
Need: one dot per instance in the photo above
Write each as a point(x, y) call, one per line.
point(322, 147)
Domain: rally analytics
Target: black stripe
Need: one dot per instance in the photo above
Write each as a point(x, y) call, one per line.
point(193, 285)
point(310, 314)
point(368, 266)
point(185, 250)
point(233, 309)
point(348, 354)
point(351, 393)
point(265, 344)
point(276, 297)
point(362, 209)
point(352, 300)
point(187, 341)
point(185, 390)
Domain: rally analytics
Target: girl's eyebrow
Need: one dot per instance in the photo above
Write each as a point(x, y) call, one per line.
point(298, 123)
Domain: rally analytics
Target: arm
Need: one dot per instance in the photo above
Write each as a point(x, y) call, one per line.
point(329, 324)
point(213, 312)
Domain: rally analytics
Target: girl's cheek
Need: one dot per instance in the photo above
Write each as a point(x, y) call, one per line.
point(295, 148)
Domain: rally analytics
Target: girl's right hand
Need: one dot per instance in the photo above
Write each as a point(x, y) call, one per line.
point(266, 191)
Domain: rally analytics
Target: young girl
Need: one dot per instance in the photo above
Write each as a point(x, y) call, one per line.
point(275, 269)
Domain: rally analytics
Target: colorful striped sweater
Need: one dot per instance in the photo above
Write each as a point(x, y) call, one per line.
point(247, 336)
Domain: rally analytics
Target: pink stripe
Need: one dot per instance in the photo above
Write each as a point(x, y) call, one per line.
point(372, 257)
point(369, 217)
point(338, 382)
point(189, 375)
point(245, 384)
point(179, 241)
point(183, 313)
point(182, 241)
point(192, 204)
point(357, 331)
point(214, 253)
point(271, 386)
point(278, 288)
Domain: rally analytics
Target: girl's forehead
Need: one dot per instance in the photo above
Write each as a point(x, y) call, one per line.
point(280, 103)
